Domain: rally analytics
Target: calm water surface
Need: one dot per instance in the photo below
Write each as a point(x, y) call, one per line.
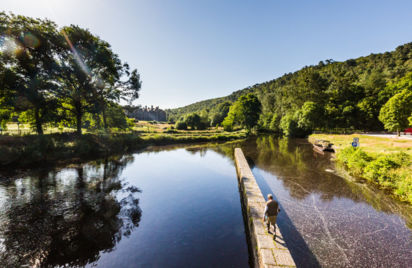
point(180, 207)
point(177, 208)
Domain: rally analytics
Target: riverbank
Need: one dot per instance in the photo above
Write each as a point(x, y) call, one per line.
point(385, 162)
point(33, 150)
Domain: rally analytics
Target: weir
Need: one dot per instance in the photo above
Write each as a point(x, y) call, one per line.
point(266, 251)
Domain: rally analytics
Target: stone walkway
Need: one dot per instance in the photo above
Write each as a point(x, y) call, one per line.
point(267, 251)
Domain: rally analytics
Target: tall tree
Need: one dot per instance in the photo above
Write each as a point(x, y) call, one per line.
point(396, 112)
point(30, 50)
point(93, 75)
point(245, 112)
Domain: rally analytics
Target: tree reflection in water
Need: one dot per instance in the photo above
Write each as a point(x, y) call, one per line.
point(302, 172)
point(67, 217)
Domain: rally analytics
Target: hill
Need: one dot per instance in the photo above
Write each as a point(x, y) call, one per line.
point(349, 94)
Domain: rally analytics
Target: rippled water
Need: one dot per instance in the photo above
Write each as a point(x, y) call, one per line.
point(180, 207)
point(330, 221)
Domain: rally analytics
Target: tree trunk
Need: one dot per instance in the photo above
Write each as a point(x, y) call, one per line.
point(79, 114)
point(397, 131)
point(104, 118)
point(39, 127)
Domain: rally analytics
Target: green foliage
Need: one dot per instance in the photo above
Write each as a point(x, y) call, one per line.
point(288, 125)
point(347, 95)
point(229, 120)
point(308, 115)
point(193, 121)
point(58, 76)
point(298, 124)
point(391, 171)
point(116, 117)
point(379, 169)
point(181, 125)
point(396, 112)
point(355, 159)
point(244, 112)
point(221, 112)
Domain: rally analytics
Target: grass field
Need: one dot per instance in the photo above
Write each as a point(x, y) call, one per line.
point(370, 144)
point(25, 148)
point(146, 128)
point(384, 161)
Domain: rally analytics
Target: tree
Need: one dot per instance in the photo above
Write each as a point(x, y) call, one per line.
point(7, 93)
point(250, 109)
point(92, 75)
point(309, 115)
point(181, 125)
point(245, 112)
point(31, 49)
point(395, 113)
point(195, 121)
point(221, 112)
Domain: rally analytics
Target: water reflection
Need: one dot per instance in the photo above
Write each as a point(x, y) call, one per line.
point(344, 222)
point(66, 217)
point(302, 172)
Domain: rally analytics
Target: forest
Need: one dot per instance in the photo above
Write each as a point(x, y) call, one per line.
point(370, 93)
point(63, 77)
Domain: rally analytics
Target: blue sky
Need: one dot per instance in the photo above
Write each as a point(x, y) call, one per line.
point(191, 50)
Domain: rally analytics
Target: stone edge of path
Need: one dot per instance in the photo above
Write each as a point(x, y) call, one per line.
point(266, 251)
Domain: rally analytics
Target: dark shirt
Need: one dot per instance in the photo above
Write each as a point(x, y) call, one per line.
point(271, 208)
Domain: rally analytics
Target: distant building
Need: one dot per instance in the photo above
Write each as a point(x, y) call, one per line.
point(145, 113)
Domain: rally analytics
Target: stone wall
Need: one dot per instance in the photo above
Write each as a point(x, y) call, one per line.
point(267, 252)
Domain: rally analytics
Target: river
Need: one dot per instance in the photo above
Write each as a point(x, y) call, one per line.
point(179, 206)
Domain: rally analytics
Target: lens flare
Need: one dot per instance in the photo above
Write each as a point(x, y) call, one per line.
point(76, 55)
point(29, 40)
point(10, 46)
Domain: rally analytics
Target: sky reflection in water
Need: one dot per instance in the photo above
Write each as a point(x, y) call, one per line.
point(171, 206)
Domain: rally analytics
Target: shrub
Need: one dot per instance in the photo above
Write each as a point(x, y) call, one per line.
point(355, 159)
point(289, 126)
point(180, 125)
point(170, 130)
point(379, 169)
point(403, 185)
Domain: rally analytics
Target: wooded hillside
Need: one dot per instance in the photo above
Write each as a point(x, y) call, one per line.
point(340, 95)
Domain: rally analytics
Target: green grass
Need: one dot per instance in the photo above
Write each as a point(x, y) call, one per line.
point(386, 162)
point(372, 145)
point(30, 150)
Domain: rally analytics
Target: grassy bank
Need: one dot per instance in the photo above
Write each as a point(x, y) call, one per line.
point(33, 150)
point(386, 162)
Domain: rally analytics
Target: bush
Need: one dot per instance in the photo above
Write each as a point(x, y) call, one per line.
point(289, 126)
point(355, 159)
point(170, 130)
point(403, 184)
point(379, 170)
point(180, 125)
point(390, 171)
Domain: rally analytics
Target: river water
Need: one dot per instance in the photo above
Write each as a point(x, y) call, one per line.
point(179, 206)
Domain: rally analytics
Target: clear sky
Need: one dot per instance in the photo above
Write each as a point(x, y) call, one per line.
point(191, 50)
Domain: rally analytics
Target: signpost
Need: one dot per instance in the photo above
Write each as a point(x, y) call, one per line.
point(355, 142)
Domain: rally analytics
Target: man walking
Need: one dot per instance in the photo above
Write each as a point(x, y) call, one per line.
point(271, 212)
